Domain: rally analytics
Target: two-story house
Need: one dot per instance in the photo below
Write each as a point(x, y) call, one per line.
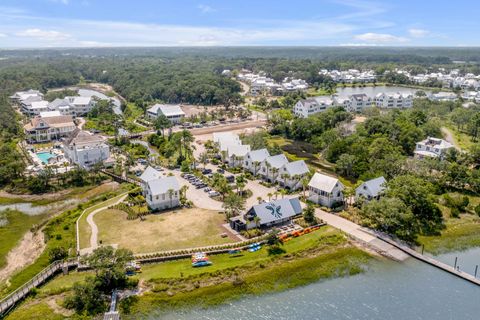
point(325, 190)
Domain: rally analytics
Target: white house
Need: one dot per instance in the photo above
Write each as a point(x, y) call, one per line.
point(443, 96)
point(32, 106)
point(47, 127)
point(358, 102)
point(80, 106)
point(85, 149)
point(254, 159)
point(291, 174)
point(394, 100)
point(25, 97)
point(307, 107)
point(324, 190)
point(270, 167)
point(432, 147)
point(173, 112)
point(148, 175)
point(236, 154)
point(162, 193)
point(371, 189)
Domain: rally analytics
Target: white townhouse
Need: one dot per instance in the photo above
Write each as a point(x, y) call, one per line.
point(85, 149)
point(270, 167)
point(443, 96)
point(325, 190)
point(173, 112)
point(162, 193)
point(80, 106)
point(254, 159)
point(371, 189)
point(394, 100)
point(148, 175)
point(62, 106)
point(291, 174)
point(343, 102)
point(359, 101)
point(432, 147)
point(224, 140)
point(236, 155)
point(48, 126)
point(22, 96)
point(307, 107)
point(33, 107)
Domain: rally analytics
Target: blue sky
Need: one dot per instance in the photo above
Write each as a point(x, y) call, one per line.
point(87, 23)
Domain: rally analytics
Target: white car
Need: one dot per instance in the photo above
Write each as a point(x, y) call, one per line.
point(213, 194)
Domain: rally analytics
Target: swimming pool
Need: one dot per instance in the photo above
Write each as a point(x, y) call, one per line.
point(44, 156)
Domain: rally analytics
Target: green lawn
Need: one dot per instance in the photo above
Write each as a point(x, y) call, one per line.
point(84, 228)
point(461, 139)
point(35, 311)
point(18, 224)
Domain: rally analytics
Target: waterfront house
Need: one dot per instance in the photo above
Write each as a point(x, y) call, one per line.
point(307, 107)
point(162, 193)
point(267, 214)
point(371, 189)
point(254, 159)
point(270, 167)
point(432, 147)
point(85, 149)
point(291, 174)
point(173, 112)
point(358, 102)
point(48, 126)
point(325, 190)
point(394, 100)
point(148, 175)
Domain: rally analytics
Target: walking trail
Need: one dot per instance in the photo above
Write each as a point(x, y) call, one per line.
point(93, 225)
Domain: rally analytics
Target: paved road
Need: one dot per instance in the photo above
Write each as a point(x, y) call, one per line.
point(449, 137)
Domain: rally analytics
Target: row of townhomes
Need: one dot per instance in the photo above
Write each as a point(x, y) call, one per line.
point(31, 103)
point(353, 103)
point(173, 112)
point(452, 79)
point(350, 76)
point(261, 84)
point(272, 168)
point(159, 191)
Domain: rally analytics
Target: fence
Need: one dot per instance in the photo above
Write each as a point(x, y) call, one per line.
point(9, 301)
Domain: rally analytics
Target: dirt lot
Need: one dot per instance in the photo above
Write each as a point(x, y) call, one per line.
point(184, 228)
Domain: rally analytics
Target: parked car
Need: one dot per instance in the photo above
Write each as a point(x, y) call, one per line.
point(206, 171)
point(207, 189)
point(230, 179)
point(213, 193)
point(220, 170)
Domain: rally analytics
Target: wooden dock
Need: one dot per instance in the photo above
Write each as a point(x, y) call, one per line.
point(429, 260)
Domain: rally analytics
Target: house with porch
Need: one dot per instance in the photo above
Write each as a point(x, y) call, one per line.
point(267, 214)
point(325, 190)
point(162, 193)
point(148, 175)
point(291, 174)
point(47, 127)
point(236, 155)
point(173, 112)
point(432, 148)
point(85, 149)
point(254, 159)
point(371, 189)
point(270, 167)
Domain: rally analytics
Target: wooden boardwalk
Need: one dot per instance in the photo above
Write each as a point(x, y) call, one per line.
point(429, 260)
point(13, 298)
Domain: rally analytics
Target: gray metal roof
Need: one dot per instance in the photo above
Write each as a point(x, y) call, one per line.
point(277, 210)
point(277, 161)
point(167, 109)
point(374, 186)
point(298, 167)
point(324, 183)
point(162, 185)
point(150, 174)
point(258, 155)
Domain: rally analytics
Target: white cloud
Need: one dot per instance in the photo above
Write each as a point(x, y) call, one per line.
point(2, 35)
point(383, 38)
point(205, 8)
point(65, 2)
point(40, 34)
point(418, 33)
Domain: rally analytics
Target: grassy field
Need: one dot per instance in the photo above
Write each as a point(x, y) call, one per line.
point(84, 228)
point(18, 224)
point(462, 140)
point(176, 229)
point(322, 254)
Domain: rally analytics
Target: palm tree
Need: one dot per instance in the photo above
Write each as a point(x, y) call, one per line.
point(259, 199)
point(204, 159)
point(256, 164)
point(183, 193)
point(257, 219)
point(269, 195)
point(283, 192)
point(268, 165)
point(171, 192)
point(305, 182)
point(233, 204)
point(186, 139)
point(274, 173)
